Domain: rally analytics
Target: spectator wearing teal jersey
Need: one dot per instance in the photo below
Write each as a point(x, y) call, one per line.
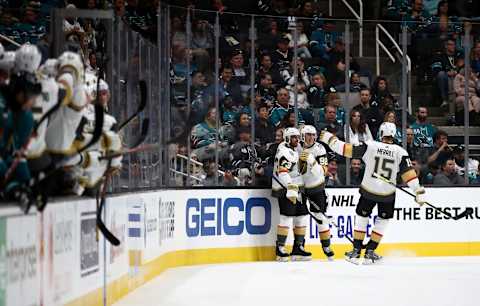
point(424, 132)
point(397, 8)
point(203, 138)
point(281, 108)
point(416, 15)
point(335, 101)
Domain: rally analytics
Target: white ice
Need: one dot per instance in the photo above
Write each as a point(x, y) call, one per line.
point(438, 281)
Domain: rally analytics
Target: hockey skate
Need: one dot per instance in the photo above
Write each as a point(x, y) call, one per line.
point(299, 253)
point(371, 257)
point(328, 252)
point(281, 253)
point(353, 256)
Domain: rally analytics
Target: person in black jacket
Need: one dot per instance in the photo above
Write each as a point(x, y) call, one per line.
point(264, 130)
point(372, 114)
point(317, 91)
point(444, 68)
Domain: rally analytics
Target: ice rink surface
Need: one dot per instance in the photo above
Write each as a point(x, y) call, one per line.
point(402, 281)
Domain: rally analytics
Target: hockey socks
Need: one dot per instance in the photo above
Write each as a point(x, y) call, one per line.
point(377, 233)
point(324, 233)
point(298, 251)
point(280, 252)
point(359, 231)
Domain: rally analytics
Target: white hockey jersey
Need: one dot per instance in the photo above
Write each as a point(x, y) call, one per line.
point(63, 125)
point(387, 160)
point(43, 103)
point(313, 174)
point(285, 168)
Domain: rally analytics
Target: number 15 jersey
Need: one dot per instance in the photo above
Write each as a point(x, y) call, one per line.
point(387, 160)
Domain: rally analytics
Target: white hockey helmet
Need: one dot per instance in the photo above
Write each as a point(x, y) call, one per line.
point(103, 86)
point(27, 59)
point(289, 132)
point(49, 68)
point(91, 84)
point(72, 62)
point(7, 60)
point(387, 129)
point(308, 129)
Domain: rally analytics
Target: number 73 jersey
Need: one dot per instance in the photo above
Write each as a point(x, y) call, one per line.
point(387, 160)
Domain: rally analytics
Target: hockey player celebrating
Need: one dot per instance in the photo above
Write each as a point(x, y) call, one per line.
point(384, 159)
point(286, 170)
point(63, 123)
point(313, 166)
point(94, 167)
point(36, 151)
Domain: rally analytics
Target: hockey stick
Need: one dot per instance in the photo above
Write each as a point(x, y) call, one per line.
point(316, 206)
point(143, 102)
point(100, 224)
point(140, 148)
point(137, 147)
point(468, 211)
point(102, 194)
point(98, 129)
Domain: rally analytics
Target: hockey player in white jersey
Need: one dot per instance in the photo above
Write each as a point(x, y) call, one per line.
point(63, 124)
point(93, 167)
point(43, 103)
point(381, 158)
point(313, 164)
point(291, 210)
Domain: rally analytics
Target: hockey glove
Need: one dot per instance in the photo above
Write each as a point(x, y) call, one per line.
point(292, 193)
point(420, 196)
point(307, 157)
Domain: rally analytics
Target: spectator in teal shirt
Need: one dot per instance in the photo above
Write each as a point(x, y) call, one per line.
point(334, 100)
point(281, 108)
point(423, 131)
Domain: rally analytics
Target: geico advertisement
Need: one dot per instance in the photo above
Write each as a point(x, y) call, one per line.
point(224, 218)
point(217, 217)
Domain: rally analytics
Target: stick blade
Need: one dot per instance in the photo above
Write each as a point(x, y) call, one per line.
point(103, 228)
point(143, 95)
point(144, 133)
point(467, 212)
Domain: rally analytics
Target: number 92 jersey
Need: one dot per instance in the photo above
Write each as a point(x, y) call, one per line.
point(387, 160)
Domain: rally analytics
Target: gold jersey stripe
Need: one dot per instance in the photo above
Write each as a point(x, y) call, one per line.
point(409, 175)
point(68, 90)
point(347, 150)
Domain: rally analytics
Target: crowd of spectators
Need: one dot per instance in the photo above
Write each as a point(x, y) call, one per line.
point(321, 77)
point(320, 69)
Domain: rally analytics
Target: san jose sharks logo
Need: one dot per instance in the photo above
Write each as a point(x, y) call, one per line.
point(422, 137)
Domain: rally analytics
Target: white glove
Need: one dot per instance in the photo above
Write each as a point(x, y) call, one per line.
point(292, 193)
point(420, 196)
